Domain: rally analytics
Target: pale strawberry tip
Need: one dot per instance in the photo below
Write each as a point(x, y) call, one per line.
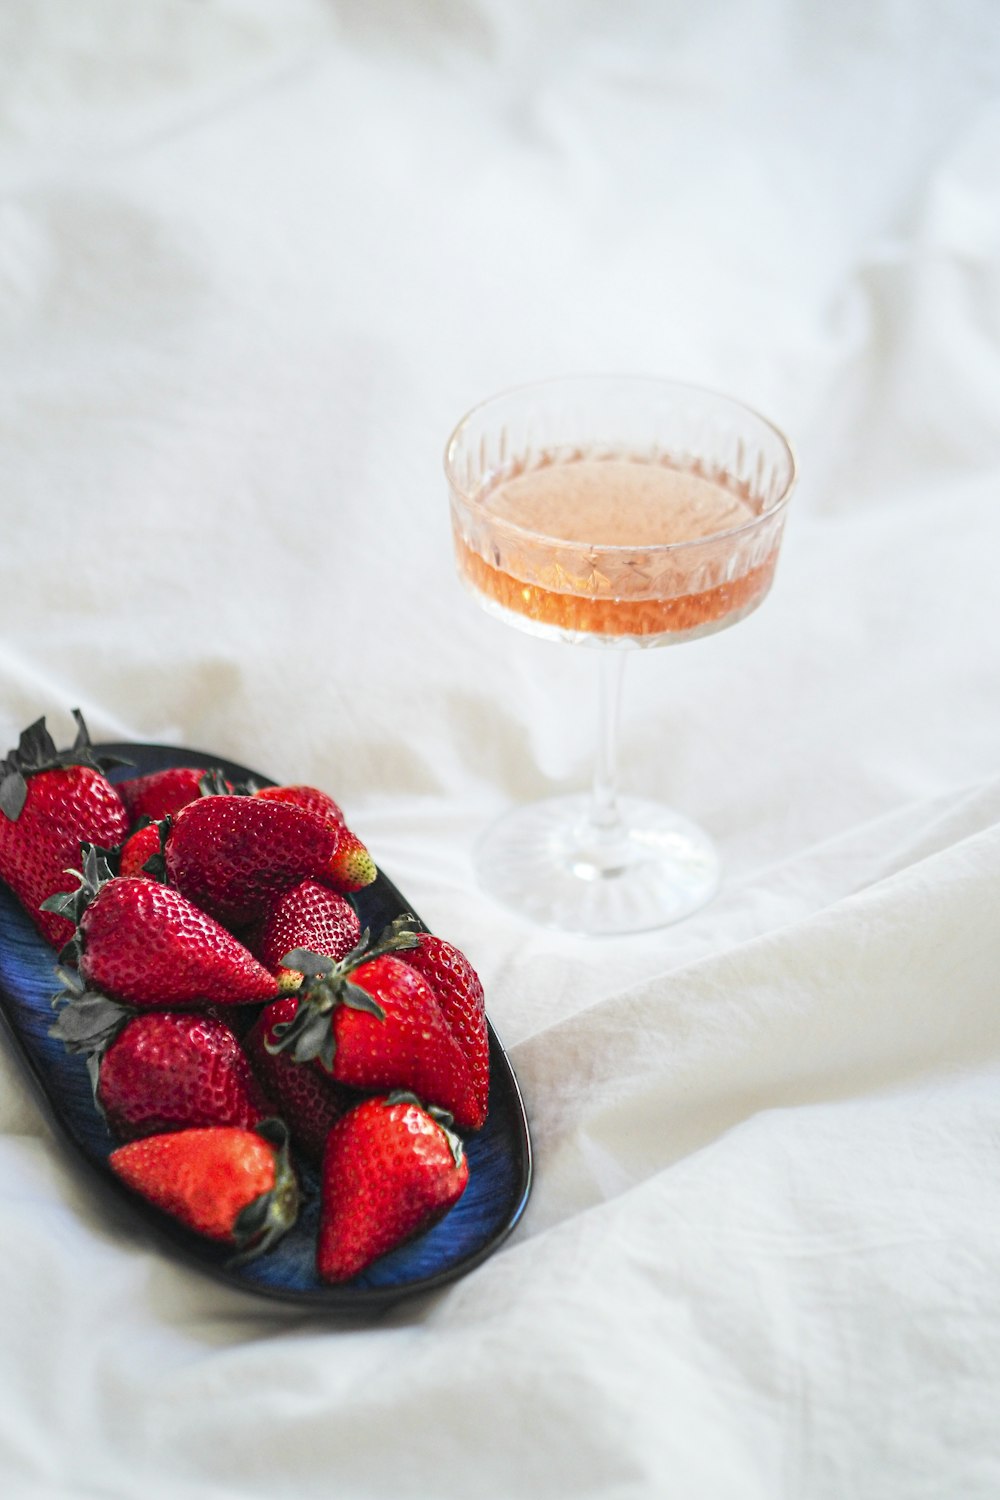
point(352, 868)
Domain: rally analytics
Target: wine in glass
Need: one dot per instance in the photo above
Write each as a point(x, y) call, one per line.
point(613, 512)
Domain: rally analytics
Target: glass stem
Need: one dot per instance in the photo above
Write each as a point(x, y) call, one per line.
point(604, 812)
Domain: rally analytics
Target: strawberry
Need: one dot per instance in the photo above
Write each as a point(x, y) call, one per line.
point(459, 993)
point(142, 845)
point(308, 1100)
point(233, 855)
point(145, 943)
point(351, 867)
point(372, 1022)
point(232, 1185)
point(308, 797)
point(154, 1071)
point(161, 792)
point(52, 801)
point(307, 916)
point(391, 1169)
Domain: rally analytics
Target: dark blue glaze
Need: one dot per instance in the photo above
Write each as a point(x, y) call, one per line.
point(499, 1155)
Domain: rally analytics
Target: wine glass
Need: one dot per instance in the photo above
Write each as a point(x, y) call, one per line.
point(613, 512)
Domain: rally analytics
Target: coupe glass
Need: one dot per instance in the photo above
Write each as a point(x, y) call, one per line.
point(614, 512)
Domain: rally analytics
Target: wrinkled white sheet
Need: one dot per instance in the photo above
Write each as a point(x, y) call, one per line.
point(255, 259)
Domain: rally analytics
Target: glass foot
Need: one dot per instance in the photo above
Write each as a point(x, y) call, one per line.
point(548, 862)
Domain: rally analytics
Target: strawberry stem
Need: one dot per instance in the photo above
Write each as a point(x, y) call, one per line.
point(97, 870)
point(36, 751)
point(213, 783)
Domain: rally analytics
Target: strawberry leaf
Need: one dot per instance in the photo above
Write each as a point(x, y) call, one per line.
point(88, 1022)
point(267, 1217)
point(38, 752)
point(306, 1036)
point(36, 747)
point(97, 868)
point(403, 929)
point(252, 1220)
point(13, 791)
point(313, 1038)
point(274, 1130)
point(312, 965)
point(328, 1052)
point(82, 741)
point(213, 783)
point(82, 753)
point(356, 998)
point(63, 903)
point(402, 933)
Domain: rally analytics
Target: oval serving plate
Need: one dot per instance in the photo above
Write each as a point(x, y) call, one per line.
point(499, 1155)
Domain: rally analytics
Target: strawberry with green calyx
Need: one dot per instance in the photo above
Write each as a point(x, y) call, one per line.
point(155, 1070)
point(159, 793)
point(391, 1169)
point(306, 1098)
point(146, 944)
point(52, 801)
point(310, 916)
point(459, 992)
point(373, 1022)
point(233, 855)
point(232, 1185)
point(142, 851)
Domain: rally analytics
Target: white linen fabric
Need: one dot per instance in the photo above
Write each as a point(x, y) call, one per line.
point(255, 261)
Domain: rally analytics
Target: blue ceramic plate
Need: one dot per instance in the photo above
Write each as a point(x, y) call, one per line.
point(499, 1155)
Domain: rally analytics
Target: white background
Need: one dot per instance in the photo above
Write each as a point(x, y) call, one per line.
point(255, 261)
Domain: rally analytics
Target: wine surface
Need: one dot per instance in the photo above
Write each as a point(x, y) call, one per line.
point(616, 503)
point(578, 546)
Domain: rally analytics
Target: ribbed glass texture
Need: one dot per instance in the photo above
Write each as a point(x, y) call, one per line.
point(581, 589)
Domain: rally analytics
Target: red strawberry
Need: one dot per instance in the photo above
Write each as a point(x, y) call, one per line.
point(52, 801)
point(391, 1169)
point(167, 791)
point(233, 855)
point(141, 845)
point(160, 1070)
point(308, 797)
point(372, 1022)
point(459, 993)
point(308, 916)
point(351, 867)
point(229, 1184)
point(306, 1098)
point(145, 943)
